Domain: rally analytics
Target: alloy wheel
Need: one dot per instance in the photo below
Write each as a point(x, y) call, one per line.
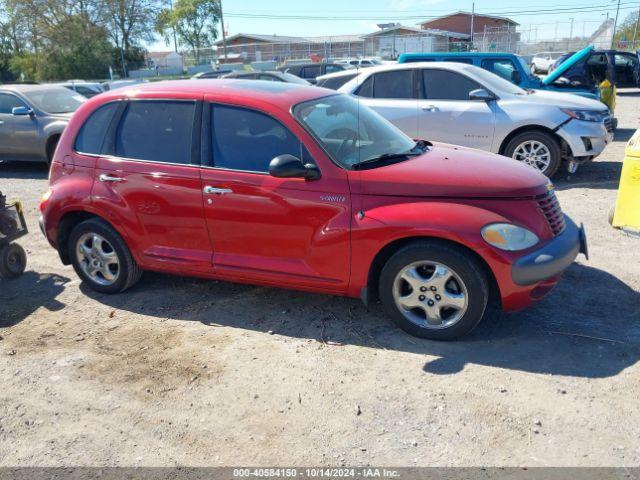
point(430, 295)
point(98, 259)
point(533, 153)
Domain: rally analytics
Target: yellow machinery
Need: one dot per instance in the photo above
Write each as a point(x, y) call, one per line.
point(627, 211)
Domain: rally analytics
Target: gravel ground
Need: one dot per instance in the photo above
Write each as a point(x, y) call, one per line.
point(182, 371)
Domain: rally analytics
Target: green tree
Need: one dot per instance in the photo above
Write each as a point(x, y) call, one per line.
point(629, 30)
point(194, 21)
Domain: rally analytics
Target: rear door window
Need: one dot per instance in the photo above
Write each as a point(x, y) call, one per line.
point(333, 68)
point(447, 85)
point(157, 130)
point(394, 84)
point(247, 140)
point(312, 72)
point(458, 60)
point(91, 134)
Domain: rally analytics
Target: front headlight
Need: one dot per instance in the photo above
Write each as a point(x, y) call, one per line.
point(586, 115)
point(506, 236)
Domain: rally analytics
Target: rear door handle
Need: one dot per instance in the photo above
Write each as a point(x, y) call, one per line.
point(108, 178)
point(430, 108)
point(209, 190)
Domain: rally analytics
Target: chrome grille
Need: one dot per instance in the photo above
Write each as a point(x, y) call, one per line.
point(553, 212)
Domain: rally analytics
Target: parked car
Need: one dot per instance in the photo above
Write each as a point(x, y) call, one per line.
point(335, 80)
point(298, 187)
point(212, 74)
point(589, 67)
point(541, 62)
point(32, 118)
point(358, 62)
point(268, 76)
point(509, 66)
point(86, 89)
point(115, 84)
point(310, 71)
point(469, 106)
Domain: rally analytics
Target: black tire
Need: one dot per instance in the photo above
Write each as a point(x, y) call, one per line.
point(52, 143)
point(13, 261)
point(549, 141)
point(463, 263)
point(128, 271)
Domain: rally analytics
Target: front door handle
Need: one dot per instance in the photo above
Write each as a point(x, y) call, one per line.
point(430, 108)
point(108, 178)
point(216, 191)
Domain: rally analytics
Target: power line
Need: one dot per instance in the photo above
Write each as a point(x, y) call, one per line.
point(554, 11)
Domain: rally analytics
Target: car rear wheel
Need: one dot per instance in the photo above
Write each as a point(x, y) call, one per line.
point(101, 258)
point(536, 149)
point(435, 291)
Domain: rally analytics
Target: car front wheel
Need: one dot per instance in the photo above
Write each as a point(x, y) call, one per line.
point(536, 149)
point(434, 290)
point(101, 258)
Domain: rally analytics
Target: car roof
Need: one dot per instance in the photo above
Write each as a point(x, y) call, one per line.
point(28, 87)
point(247, 92)
point(409, 56)
point(341, 73)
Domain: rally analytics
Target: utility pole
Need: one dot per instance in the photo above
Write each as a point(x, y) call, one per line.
point(570, 34)
point(473, 14)
point(635, 30)
point(175, 38)
point(224, 35)
point(615, 26)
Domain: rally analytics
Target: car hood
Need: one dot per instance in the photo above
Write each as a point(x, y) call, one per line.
point(562, 100)
point(454, 172)
point(566, 65)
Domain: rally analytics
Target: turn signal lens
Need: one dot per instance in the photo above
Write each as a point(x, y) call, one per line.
point(506, 236)
point(44, 199)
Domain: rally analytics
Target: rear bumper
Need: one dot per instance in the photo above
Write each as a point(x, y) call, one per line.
point(551, 260)
point(585, 139)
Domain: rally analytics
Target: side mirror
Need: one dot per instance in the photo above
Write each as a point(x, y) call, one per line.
point(288, 166)
point(21, 111)
point(481, 94)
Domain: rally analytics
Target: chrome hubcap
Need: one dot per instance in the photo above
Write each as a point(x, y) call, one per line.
point(98, 259)
point(430, 294)
point(533, 153)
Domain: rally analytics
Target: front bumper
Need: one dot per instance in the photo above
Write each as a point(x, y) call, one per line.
point(585, 139)
point(552, 259)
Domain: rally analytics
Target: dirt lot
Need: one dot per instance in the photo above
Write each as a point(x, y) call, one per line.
point(181, 371)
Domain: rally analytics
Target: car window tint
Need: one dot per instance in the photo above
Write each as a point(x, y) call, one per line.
point(502, 67)
point(269, 78)
point(394, 84)
point(366, 89)
point(312, 72)
point(446, 85)
point(156, 130)
point(91, 135)
point(8, 102)
point(333, 68)
point(247, 140)
point(336, 82)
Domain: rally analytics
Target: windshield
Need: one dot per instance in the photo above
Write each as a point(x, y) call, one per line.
point(351, 132)
point(496, 83)
point(55, 100)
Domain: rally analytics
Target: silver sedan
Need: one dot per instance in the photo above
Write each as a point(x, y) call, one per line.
point(466, 105)
point(32, 118)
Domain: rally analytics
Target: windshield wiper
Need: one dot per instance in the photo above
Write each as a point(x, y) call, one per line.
point(385, 157)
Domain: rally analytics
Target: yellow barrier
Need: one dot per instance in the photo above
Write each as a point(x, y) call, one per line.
point(627, 212)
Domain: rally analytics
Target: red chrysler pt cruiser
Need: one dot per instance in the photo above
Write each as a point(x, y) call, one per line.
point(299, 187)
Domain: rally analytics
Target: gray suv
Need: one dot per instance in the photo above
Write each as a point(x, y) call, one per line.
point(32, 117)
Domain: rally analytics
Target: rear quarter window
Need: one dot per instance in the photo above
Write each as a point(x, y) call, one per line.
point(92, 133)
